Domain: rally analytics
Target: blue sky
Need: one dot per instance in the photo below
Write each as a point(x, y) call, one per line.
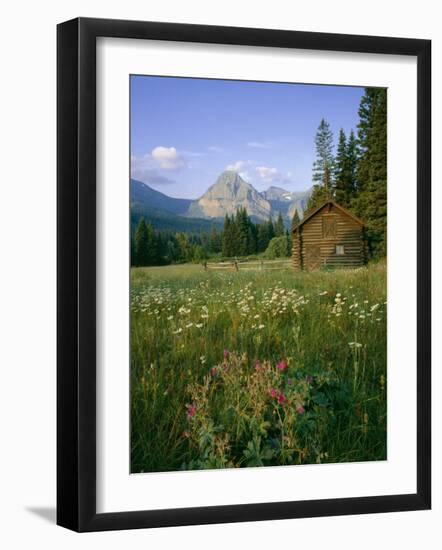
point(185, 132)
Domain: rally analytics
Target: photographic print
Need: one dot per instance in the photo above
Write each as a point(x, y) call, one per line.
point(258, 301)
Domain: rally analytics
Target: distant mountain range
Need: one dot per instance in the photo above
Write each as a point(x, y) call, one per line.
point(225, 196)
point(287, 202)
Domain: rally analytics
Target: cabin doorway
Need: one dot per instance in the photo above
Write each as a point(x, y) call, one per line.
point(312, 257)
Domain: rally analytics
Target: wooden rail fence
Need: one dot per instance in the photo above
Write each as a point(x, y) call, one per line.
point(240, 265)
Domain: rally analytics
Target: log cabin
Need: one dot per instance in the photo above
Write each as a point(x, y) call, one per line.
point(329, 236)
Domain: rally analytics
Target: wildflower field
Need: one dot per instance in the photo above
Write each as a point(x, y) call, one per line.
point(256, 368)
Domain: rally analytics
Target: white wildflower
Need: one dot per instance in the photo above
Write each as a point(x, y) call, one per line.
point(355, 345)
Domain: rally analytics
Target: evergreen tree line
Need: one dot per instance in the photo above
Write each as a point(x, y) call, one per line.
point(240, 236)
point(356, 177)
point(162, 247)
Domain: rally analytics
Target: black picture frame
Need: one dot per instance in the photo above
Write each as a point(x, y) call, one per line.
point(76, 274)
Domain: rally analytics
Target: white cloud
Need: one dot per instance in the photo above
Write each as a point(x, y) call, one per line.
point(215, 149)
point(241, 167)
point(264, 175)
point(267, 173)
point(238, 166)
point(149, 167)
point(271, 175)
point(168, 158)
point(245, 176)
point(143, 169)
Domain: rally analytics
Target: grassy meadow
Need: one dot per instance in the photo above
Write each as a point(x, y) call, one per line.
point(256, 368)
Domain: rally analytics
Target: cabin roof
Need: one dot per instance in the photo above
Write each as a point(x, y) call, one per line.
point(338, 206)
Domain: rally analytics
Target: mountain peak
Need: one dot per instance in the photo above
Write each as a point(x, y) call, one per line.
point(229, 175)
point(230, 179)
point(275, 193)
point(276, 189)
point(226, 195)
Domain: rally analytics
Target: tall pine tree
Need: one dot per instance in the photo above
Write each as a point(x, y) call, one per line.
point(243, 231)
point(152, 253)
point(262, 237)
point(345, 169)
point(323, 166)
point(215, 241)
point(141, 244)
point(353, 161)
point(279, 226)
point(227, 237)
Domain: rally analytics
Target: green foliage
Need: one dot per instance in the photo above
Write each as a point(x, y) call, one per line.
point(145, 245)
point(242, 237)
point(264, 232)
point(370, 203)
point(245, 237)
point(215, 245)
point(319, 195)
point(345, 170)
point(228, 237)
point(239, 237)
point(279, 247)
point(212, 408)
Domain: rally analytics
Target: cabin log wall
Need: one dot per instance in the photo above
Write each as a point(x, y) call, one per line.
point(308, 239)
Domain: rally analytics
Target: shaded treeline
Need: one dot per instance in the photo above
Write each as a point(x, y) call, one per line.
point(240, 236)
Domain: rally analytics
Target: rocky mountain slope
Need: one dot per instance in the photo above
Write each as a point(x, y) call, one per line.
point(226, 195)
point(287, 202)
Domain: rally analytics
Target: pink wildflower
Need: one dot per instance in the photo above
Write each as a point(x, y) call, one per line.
point(281, 399)
point(273, 393)
point(191, 411)
point(300, 409)
point(282, 365)
point(226, 354)
point(214, 371)
point(258, 367)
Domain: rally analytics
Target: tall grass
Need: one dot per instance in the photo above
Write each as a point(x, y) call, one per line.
point(196, 341)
